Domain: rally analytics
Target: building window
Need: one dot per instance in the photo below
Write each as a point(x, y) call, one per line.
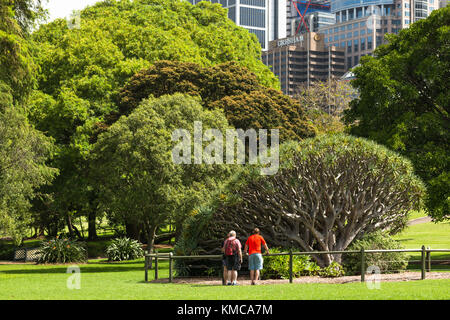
point(349, 35)
point(355, 34)
point(349, 46)
point(385, 30)
point(252, 17)
point(406, 21)
point(355, 45)
point(362, 32)
point(362, 24)
point(369, 43)
point(349, 62)
point(255, 3)
point(356, 60)
point(363, 44)
point(349, 27)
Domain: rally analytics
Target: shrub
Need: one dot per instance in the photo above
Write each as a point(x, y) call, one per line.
point(62, 250)
point(6, 252)
point(276, 267)
point(332, 271)
point(388, 262)
point(124, 249)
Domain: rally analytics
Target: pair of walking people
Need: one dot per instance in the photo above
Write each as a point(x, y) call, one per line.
point(232, 250)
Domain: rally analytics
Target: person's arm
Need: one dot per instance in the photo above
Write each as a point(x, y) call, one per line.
point(240, 254)
point(266, 248)
point(246, 249)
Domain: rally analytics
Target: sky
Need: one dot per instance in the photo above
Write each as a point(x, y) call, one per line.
point(63, 8)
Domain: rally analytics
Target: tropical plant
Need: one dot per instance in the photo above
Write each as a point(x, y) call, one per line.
point(329, 191)
point(62, 250)
point(124, 249)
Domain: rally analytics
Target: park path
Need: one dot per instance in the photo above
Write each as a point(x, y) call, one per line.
point(419, 221)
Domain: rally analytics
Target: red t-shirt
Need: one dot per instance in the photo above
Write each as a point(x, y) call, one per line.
point(254, 243)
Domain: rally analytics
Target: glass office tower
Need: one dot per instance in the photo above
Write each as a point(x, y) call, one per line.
point(264, 18)
point(362, 24)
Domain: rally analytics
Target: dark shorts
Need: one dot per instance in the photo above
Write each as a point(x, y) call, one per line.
point(233, 262)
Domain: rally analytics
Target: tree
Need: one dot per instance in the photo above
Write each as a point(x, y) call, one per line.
point(137, 177)
point(330, 190)
point(404, 102)
point(23, 150)
point(325, 103)
point(227, 86)
point(81, 71)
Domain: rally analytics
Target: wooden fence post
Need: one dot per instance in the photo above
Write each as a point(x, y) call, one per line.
point(146, 268)
point(363, 265)
point(290, 265)
point(423, 262)
point(156, 265)
point(428, 259)
point(170, 267)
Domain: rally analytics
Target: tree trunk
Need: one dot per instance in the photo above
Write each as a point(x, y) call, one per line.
point(69, 225)
point(92, 228)
point(132, 230)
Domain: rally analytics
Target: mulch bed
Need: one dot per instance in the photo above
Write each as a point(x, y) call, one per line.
point(404, 276)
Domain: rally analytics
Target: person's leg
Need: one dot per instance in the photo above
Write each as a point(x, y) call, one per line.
point(252, 275)
point(256, 275)
point(235, 274)
point(230, 276)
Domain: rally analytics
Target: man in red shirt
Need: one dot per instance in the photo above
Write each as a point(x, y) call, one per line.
point(253, 249)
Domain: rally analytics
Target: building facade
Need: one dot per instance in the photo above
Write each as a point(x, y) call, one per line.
point(362, 24)
point(308, 15)
point(302, 59)
point(264, 18)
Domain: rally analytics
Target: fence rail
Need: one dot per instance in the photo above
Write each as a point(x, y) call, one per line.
point(425, 259)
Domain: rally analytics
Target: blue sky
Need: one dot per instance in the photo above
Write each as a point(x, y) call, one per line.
point(63, 8)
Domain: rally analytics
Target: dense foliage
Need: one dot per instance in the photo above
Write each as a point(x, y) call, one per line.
point(23, 150)
point(227, 86)
point(328, 192)
point(404, 102)
point(137, 177)
point(62, 250)
point(388, 262)
point(82, 70)
point(124, 249)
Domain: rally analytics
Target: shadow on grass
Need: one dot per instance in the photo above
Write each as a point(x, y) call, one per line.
point(39, 269)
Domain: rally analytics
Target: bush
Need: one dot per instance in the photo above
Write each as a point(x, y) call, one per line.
point(62, 250)
point(332, 271)
point(389, 262)
point(277, 267)
point(124, 249)
point(7, 252)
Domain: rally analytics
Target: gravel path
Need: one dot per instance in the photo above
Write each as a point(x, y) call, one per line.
point(404, 276)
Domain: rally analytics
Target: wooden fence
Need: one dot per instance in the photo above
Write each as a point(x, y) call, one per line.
point(425, 259)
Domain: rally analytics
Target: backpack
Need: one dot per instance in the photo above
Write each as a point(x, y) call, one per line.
point(230, 247)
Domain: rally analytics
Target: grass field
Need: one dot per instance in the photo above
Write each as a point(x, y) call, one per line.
point(125, 281)
point(101, 280)
point(430, 234)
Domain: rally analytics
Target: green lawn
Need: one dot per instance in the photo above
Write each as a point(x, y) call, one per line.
point(430, 234)
point(125, 281)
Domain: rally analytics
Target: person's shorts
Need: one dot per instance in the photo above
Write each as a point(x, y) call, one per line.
point(255, 261)
point(233, 262)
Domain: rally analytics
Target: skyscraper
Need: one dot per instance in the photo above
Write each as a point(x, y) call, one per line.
point(362, 24)
point(264, 18)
